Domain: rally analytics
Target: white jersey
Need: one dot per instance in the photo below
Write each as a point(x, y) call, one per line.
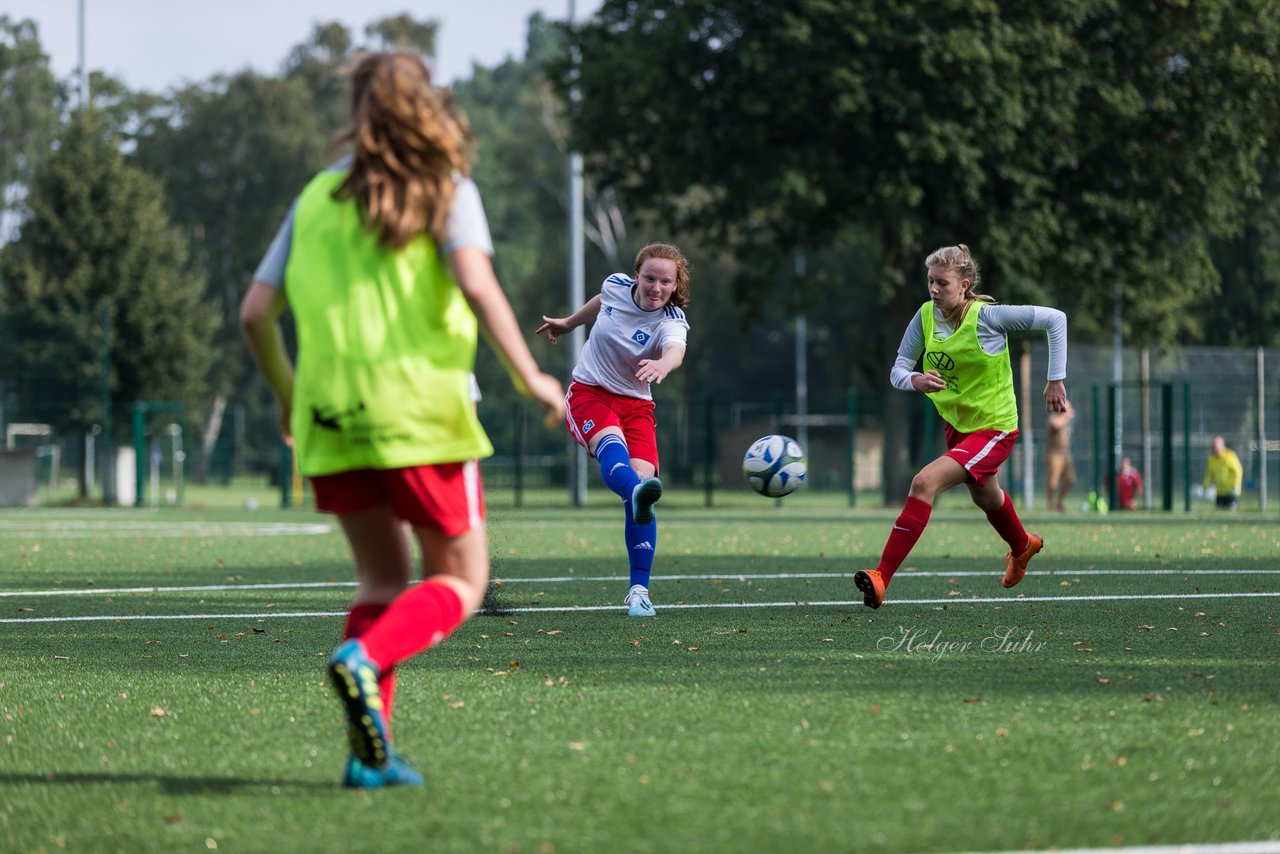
point(622, 335)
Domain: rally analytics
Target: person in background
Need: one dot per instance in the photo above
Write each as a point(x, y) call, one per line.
point(1129, 485)
point(963, 340)
point(1225, 474)
point(1060, 469)
point(638, 337)
point(384, 261)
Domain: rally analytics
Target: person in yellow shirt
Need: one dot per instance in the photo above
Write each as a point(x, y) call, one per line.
point(1225, 474)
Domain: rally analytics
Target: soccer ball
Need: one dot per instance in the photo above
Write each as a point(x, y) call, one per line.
point(775, 466)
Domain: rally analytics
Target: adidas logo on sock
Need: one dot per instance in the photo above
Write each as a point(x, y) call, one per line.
point(646, 546)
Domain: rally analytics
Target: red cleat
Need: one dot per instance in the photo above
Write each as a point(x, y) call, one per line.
point(871, 585)
point(1016, 567)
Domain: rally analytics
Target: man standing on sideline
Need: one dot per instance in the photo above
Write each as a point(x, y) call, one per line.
point(1060, 470)
point(1225, 474)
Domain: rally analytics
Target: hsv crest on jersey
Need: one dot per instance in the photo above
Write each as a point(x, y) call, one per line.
point(640, 336)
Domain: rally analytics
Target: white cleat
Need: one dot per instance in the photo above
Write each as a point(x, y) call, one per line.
point(638, 604)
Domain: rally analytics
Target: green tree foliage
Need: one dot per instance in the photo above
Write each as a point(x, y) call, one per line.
point(29, 103)
point(232, 153)
point(1071, 143)
point(1247, 311)
point(97, 237)
point(520, 168)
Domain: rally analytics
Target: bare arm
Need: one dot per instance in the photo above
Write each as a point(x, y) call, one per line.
point(260, 312)
point(657, 370)
point(474, 273)
point(557, 326)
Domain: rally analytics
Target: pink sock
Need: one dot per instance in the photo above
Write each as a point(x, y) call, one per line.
point(419, 618)
point(359, 619)
point(1009, 526)
point(902, 539)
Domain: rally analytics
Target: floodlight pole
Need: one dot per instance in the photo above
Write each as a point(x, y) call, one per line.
point(1117, 378)
point(577, 296)
point(802, 363)
point(83, 73)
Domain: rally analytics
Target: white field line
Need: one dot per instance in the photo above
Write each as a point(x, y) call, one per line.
point(562, 579)
point(682, 606)
point(73, 529)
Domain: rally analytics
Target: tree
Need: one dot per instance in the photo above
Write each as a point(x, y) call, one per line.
point(1073, 143)
point(29, 101)
point(98, 239)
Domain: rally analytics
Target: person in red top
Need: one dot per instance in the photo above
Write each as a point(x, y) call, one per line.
point(1128, 485)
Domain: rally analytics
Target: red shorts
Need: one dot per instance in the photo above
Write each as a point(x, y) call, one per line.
point(980, 452)
point(589, 409)
point(446, 497)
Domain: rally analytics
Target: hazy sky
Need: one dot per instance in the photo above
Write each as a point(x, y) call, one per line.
point(157, 44)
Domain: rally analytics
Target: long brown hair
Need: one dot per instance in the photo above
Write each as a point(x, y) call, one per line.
point(409, 139)
point(680, 296)
point(959, 260)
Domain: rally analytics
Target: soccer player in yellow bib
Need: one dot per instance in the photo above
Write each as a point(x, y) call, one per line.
point(384, 260)
point(961, 336)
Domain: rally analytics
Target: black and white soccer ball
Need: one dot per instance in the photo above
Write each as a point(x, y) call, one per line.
point(775, 465)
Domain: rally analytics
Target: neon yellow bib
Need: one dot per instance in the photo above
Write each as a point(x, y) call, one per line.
point(386, 346)
point(979, 393)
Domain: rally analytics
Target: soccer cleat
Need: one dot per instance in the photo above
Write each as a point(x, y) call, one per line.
point(643, 497)
point(870, 582)
point(355, 678)
point(1016, 567)
point(397, 773)
point(638, 604)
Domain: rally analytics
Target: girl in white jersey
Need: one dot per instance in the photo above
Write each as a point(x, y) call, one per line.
point(961, 337)
point(638, 337)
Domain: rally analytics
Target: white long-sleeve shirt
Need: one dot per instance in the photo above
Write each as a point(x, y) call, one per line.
point(994, 324)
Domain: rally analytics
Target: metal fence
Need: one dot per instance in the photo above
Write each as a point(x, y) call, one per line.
point(1163, 414)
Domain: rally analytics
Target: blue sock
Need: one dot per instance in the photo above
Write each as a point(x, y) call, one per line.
point(642, 540)
point(615, 466)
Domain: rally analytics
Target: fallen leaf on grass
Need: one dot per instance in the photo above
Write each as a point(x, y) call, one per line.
point(158, 712)
point(577, 745)
point(1146, 628)
point(973, 699)
point(173, 818)
point(1104, 681)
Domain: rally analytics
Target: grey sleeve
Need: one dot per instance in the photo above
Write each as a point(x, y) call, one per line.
point(271, 269)
point(999, 320)
point(904, 366)
point(466, 224)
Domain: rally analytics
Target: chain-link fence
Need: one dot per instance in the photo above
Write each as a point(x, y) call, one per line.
point(1163, 415)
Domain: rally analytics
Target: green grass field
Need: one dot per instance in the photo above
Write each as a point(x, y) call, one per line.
point(1126, 693)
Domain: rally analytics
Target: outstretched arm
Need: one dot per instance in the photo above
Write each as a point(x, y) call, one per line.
point(657, 370)
point(557, 326)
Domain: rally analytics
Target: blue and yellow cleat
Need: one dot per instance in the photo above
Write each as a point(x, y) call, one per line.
point(643, 497)
point(355, 678)
point(638, 604)
point(397, 773)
